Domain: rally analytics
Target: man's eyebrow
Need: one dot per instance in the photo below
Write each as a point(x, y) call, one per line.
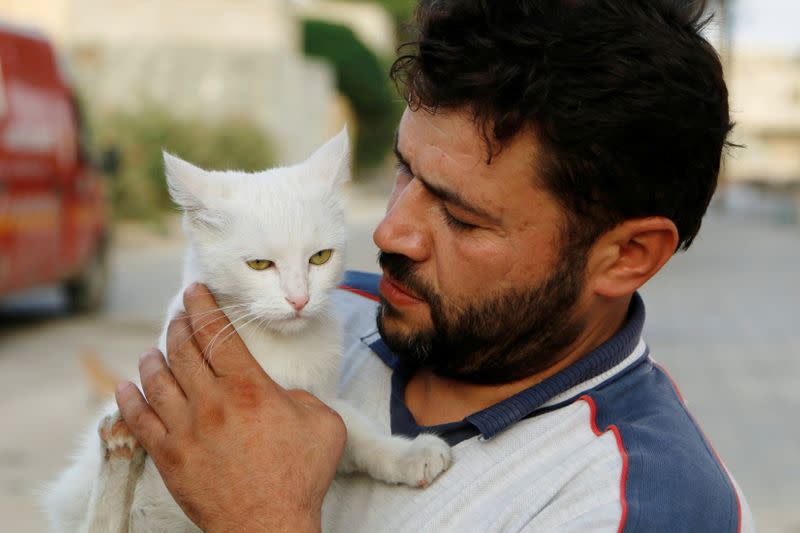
point(444, 194)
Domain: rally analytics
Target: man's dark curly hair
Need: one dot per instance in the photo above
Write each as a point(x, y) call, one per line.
point(626, 99)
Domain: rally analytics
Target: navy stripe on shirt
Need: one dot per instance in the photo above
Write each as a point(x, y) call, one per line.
point(674, 481)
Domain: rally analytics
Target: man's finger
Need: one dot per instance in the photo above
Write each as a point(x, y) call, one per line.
point(216, 337)
point(162, 390)
point(188, 365)
point(139, 416)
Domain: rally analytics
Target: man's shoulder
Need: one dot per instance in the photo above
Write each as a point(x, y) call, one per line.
point(355, 304)
point(672, 478)
point(363, 284)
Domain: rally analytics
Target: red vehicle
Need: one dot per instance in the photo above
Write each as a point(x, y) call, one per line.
point(54, 222)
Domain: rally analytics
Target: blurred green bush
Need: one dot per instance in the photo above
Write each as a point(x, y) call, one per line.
point(139, 191)
point(363, 80)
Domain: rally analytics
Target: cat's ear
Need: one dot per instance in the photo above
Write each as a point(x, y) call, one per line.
point(191, 189)
point(331, 161)
point(187, 183)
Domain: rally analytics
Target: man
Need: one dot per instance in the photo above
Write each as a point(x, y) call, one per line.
point(553, 157)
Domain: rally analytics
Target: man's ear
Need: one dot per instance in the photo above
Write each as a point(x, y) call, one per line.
point(628, 255)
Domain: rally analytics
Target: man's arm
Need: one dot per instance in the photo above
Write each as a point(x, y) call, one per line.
point(235, 449)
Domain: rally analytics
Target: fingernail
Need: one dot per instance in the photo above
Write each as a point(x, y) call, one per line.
point(152, 352)
point(123, 387)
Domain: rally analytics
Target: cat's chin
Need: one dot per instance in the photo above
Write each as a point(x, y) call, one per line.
point(291, 325)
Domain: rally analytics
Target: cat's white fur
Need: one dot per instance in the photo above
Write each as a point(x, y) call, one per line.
point(285, 215)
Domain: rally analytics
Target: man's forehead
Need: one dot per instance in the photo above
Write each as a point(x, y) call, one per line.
point(449, 137)
point(451, 142)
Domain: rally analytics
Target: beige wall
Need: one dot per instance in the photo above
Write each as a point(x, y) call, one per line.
point(227, 23)
point(292, 99)
point(765, 104)
point(46, 15)
point(201, 58)
point(241, 24)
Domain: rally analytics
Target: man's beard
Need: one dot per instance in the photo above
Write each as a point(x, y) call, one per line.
point(503, 338)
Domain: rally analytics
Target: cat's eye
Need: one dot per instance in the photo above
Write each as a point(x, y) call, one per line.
point(321, 257)
point(259, 264)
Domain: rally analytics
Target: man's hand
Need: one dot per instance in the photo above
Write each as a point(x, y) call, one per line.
point(237, 451)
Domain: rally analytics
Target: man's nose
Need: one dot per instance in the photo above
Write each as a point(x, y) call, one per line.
point(403, 230)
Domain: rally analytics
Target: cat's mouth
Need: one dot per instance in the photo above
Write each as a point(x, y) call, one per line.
point(296, 318)
point(290, 324)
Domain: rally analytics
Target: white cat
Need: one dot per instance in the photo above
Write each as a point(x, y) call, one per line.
point(270, 245)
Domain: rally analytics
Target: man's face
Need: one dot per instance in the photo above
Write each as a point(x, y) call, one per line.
point(476, 284)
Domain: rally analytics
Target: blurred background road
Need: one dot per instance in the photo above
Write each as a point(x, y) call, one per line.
point(264, 82)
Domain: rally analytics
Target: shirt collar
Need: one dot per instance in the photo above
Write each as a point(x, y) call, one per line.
point(500, 416)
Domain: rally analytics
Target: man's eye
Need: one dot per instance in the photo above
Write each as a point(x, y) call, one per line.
point(455, 223)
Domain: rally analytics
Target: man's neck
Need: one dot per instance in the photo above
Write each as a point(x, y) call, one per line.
point(435, 400)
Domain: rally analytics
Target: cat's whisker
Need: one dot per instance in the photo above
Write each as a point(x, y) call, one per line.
point(206, 313)
point(189, 328)
point(204, 364)
point(253, 317)
point(225, 309)
point(233, 331)
point(228, 311)
point(231, 325)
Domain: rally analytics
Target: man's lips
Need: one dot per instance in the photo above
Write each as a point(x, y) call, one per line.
point(395, 293)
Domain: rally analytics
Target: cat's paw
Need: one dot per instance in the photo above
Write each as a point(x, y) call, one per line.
point(427, 457)
point(117, 440)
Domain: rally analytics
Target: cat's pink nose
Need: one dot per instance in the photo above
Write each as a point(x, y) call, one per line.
point(298, 302)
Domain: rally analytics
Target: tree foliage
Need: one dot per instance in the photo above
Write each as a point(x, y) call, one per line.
point(363, 79)
point(139, 191)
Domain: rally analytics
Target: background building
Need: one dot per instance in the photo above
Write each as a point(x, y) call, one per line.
point(205, 59)
point(765, 104)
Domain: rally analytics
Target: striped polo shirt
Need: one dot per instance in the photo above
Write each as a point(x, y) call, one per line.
point(606, 444)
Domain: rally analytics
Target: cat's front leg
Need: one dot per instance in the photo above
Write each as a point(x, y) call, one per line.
point(393, 459)
point(120, 468)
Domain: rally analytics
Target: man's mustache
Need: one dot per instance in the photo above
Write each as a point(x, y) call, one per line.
point(401, 269)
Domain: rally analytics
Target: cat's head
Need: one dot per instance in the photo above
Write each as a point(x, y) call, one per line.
point(270, 243)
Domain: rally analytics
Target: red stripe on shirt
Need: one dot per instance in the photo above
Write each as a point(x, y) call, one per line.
point(622, 452)
point(360, 292)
